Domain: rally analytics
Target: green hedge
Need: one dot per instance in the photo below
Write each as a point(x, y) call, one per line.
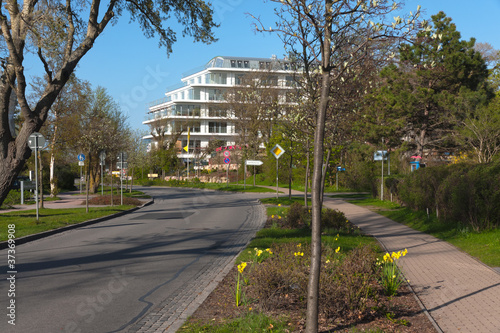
point(460, 193)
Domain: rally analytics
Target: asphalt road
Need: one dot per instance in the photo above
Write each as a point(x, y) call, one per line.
point(127, 274)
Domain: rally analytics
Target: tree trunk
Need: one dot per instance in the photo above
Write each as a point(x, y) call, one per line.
point(111, 168)
point(317, 200)
point(290, 173)
point(132, 180)
point(325, 169)
point(307, 176)
point(41, 177)
point(87, 181)
point(53, 182)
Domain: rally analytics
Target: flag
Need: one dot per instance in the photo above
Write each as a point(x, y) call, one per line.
point(187, 147)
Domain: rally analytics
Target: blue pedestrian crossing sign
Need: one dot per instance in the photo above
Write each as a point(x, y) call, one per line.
point(81, 157)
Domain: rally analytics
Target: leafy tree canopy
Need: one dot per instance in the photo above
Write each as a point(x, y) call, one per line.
point(419, 97)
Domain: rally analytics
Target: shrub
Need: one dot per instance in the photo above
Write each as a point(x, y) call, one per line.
point(333, 219)
point(464, 194)
point(106, 200)
point(298, 216)
point(14, 198)
point(65, 177)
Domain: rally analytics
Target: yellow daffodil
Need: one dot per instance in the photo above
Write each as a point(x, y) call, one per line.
point(241, 267)
point(328, 261)
point(337, 250)
point(259, 252)
point(299, 245)
point(299, 254)
point(269, 251)
point(272, 216)
point(279, 205)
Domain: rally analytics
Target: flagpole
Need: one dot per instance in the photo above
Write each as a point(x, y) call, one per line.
point(187, 150)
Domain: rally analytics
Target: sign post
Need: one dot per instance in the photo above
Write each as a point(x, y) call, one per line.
point(81, 163)
point(227, 160)
point(381, 155)
point(35, 142)
point(254, 163)
point(102, 156)
point(122, 164)
point(277, 152)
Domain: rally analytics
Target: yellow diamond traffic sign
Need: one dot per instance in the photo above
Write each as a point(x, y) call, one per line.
point(277, 151)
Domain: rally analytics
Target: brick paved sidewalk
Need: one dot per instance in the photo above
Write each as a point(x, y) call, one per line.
point(460, 293)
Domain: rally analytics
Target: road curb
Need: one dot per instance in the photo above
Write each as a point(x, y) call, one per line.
point(30, 238)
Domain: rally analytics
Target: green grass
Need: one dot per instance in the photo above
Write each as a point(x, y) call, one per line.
point(126, 193)
point(267, 237)
point(351, 196)
point(231, 187)
point(484, 245)
point(248, 323)
point(240, 188)
point(49, 219)
point(284, 201)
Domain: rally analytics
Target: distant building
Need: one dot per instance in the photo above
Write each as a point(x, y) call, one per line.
point(195, 103)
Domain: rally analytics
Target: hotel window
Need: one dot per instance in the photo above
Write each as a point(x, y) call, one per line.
point(194, 145)
point(195, 127)
point(216, 78)
point(240, 64)
point(238, 79)
point(186, 110)
point(233, 63)
point(246, 64)
point(215, 95)
point(216, 112)
point(217, 127)
point(194, 94)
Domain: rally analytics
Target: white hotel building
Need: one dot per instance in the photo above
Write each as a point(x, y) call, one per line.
point(196, 100)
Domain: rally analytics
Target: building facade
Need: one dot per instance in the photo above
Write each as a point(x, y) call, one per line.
point(195, 109)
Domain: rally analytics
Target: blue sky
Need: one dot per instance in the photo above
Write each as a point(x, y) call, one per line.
point(135, 71)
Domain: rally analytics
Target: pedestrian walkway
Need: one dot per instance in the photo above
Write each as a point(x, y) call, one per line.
point(460, 293)
point(66, 200)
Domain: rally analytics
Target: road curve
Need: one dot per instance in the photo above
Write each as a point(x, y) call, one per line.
point(142, 272)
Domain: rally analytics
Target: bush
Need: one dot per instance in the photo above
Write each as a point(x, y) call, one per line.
point(460, 193)
point(106, 200)
point(14, 198)
point(298, 216)
point(65, 177)
point(333, 219)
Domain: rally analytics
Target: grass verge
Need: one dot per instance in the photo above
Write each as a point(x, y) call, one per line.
point(248, 323)
point(484, 245)
point(49, 219)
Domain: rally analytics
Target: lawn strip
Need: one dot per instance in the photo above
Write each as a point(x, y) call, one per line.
point(49, 219)
point(484, 245)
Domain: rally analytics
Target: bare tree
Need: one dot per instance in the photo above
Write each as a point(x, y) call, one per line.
point(61, 126)
point(254, 106)
point(479, 131)
point(102, 128)
point(57, 33)
point(339, 35)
